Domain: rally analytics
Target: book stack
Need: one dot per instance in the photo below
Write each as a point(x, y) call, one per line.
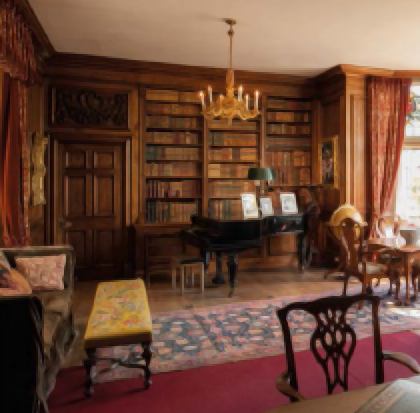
point(225, 209)
point(231, 139)
point(174, 189)
point(175, 154)
point(161, 212)
point(236, 125)
point(233, 154)
point(230, 189)
point(274, 159)
point(283, 129)
point(173, 109)
point(228, 171)
point(169, 169)
point(168, 122)
point(171, 138)
point(292, 176)
point(282, 143)
point(287, 117)
point(282, 104)
point(172, 96)
point(301, 158)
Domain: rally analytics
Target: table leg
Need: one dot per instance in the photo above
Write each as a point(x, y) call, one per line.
point(219, 279)
point(407, 280)
point(232, 264)
point(302, 241)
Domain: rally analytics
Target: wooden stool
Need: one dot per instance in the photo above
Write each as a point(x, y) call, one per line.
point(187, 264)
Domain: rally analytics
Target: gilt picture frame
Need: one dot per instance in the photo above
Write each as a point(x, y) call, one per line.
point(249, 205)
point(328, 162)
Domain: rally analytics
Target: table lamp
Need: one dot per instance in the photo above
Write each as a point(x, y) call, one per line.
point(259, 175)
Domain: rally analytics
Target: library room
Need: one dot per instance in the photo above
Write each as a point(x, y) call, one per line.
point(209, 207)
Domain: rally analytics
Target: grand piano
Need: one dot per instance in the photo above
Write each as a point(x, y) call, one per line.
point(231, 237)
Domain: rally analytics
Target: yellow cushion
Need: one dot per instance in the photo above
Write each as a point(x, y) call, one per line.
point(120, 309)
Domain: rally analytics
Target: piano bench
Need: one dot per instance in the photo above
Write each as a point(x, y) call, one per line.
point(187, 265)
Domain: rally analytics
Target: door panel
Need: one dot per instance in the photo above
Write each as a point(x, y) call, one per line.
point(89, 206)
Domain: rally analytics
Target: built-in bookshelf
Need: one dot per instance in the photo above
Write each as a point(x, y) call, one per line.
point(197, 166)
point(288, 141)
point(173, 156)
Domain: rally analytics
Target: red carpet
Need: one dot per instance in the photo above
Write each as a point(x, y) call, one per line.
point(242, 387)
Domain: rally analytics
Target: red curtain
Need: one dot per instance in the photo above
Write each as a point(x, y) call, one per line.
point(387, 110)
point(18, 70)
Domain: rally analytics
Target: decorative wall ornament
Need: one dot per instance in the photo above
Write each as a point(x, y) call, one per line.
point(89, 108)
point(39, 170)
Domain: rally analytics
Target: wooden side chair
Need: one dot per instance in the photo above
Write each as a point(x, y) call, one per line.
point(187, 266)
point(360, 261)
point(333, 342)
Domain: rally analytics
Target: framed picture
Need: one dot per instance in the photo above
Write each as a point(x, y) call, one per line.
point(288, 203)
point(266, 206)
point(328, 161)
point(249, 205)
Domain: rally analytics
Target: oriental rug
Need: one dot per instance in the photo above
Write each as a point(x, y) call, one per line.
point(207, 336)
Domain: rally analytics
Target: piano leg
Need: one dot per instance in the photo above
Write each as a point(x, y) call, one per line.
point(301, 252)
point(219, 279)
point(232, 264)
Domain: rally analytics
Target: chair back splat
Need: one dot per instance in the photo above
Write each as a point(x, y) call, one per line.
point(333, 341)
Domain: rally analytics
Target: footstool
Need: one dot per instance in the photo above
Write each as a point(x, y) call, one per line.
point(120, 317)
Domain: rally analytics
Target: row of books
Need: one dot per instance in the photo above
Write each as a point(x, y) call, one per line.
point(173, 109)
point(174, 189)
point(172, 96)
point(287, 117)
point(171, 138)
point(288, 104)
point(233, 139)
point(162, 211)
point(231, 189)
point(172, 169)
point(225, 209)
point(175, 154)
point(236, 124)
point(168, 122)
point(217, 170)
point(292, 176)
point(279, 143)
point(295, 158)
point(233, 154)
point(284, 129)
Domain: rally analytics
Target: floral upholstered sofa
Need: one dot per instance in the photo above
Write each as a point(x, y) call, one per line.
point(58, 330)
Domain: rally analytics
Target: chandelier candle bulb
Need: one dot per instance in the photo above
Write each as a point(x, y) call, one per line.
point(210, 94)
point(247, 101)
point(240, 92)
point(202, 99)
point(256, 100)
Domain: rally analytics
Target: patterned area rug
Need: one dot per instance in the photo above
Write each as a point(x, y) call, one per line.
point(213, 335)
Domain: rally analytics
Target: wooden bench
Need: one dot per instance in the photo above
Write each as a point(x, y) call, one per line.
point(120, 317)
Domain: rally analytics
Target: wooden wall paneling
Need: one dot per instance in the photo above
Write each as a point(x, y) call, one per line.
point(205, 169)
point(316, 140)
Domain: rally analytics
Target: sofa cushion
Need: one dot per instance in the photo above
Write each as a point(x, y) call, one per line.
point(12, 282)
point(56, 302)
point(43, 273)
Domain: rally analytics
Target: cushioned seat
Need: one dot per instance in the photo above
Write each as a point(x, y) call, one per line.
point(373, 268)
point(120, 315)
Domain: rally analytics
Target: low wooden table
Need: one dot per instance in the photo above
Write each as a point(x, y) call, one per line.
point(408, 254)
point(347, 402)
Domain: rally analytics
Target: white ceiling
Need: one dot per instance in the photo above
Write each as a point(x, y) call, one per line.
point(279, 36)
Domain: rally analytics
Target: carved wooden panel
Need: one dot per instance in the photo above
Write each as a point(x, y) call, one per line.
point(74, 196)
point(103, 196)
point(79, 242)
point(103, 160)
point(89, 108)
point(105, 247)
point(75, 159)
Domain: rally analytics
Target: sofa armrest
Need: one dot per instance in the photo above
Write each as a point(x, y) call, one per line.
point(43, 250)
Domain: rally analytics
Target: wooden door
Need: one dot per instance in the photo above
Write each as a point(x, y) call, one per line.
point(88, 193)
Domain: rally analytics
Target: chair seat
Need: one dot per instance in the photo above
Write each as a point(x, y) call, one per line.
point(120, 314)
point(373, 268)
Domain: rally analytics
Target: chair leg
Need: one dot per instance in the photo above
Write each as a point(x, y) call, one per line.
point(397, 290)
point(89, 363)
point(174, 277)
point(202, 278)
point(182, 269)
point(346, 282)
point(192, 269)
point(413, 281)
point(364, 287)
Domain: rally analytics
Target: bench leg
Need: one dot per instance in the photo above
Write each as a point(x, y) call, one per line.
point(147, 356)
point(89, 363)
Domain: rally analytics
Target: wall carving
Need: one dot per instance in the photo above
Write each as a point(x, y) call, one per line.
point(89, 108)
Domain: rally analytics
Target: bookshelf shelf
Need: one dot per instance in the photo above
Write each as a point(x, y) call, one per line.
point(174, 199)
point(233, 146)
point(238, 162)
point(292, 123)
point(168, 129)
point(171, 177)
point(175, 115)
point(229, 179)
point(173, 144)
point(288, 135)
point(174, 160)
point(232, 130)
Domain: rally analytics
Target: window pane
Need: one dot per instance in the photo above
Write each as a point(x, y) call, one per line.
point(413, 117)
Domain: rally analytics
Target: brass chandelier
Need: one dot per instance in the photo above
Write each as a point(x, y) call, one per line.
point(229, 106)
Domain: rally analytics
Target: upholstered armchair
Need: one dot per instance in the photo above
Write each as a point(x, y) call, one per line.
point(58, 332)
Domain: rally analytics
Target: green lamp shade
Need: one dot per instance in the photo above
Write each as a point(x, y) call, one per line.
point(260, 174)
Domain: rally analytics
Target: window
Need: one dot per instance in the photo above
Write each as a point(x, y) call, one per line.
point(407, 203)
